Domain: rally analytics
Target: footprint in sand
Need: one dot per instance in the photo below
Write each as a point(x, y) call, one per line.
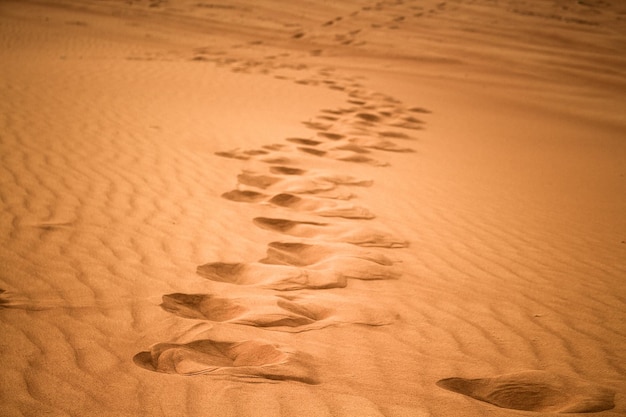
point(535, 391)
point(276, 277)
point(320, 185)
point(332, 272)
point(243, 155)
point(343, 155)
point(350, 261)
point(343, 232)
point(245, 196)
point(290, 313)
point(304, 254)
point(356, 144)
point(379, 144)
point(304, 141)
point(290, 182)
point(319, 206)
point(246, 359)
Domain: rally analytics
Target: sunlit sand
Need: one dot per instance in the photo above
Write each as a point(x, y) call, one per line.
point(349, 208)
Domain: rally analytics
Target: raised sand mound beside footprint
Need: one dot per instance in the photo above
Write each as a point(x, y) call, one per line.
point(290, 313)
point(535, 391)
point(243, 359)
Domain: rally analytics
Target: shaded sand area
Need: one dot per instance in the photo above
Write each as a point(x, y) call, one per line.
point(349, 208)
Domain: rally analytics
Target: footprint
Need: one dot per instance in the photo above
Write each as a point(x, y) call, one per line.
point(535, 391)
point(289, 184)
point(342, 155)
point(353, 147)
point(334, 233)
point(395, 135)
point(410, 123)
point(380, 144)
point(321, 207)
point(300, 184)
point(247, 359)
point(357, 268)
point(331, 272)
point(276, 277)
point(304, 254)
point(291, 313)
point(303, 141)
point(284, 170)
point(364, 267)
point(243, 155)
point(260, 311)
point(245, 196)
point(331, 135)
point(317, 125)
point(312, 151)
point(369, 117)
point(265, 181)
point(419, 110)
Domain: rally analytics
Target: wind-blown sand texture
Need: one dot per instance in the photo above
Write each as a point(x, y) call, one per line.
point(347, 208)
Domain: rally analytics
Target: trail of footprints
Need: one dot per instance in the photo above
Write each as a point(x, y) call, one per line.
point(316, 255)
point(309, 256)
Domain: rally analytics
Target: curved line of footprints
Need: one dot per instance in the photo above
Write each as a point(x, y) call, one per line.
point(327, 253)
point(314, 255)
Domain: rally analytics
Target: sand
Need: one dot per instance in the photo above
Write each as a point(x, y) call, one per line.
point(348, 208)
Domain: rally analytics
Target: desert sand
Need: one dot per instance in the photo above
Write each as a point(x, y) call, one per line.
point(312, 208)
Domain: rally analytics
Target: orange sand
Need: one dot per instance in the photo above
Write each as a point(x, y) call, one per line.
point(349, 208)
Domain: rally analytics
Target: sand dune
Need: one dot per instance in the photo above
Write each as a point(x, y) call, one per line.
point(348, 208)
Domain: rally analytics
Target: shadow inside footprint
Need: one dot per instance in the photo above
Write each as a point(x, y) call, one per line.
point(249, 359)
point(535, 391)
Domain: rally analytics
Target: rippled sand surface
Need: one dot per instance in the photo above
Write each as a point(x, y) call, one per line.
point(241, 208)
